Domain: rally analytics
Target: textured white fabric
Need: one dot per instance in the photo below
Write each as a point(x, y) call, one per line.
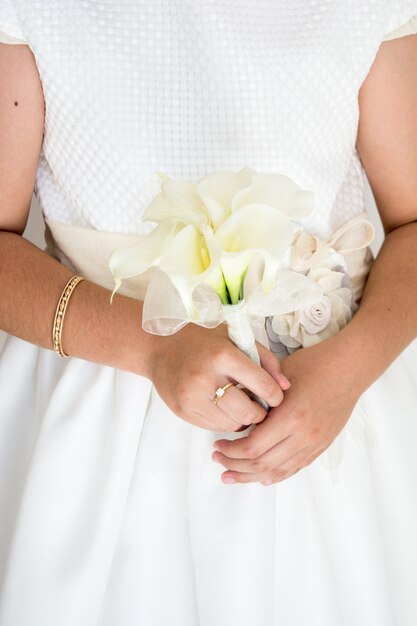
point(409, 28)
point(112, 511)
point(10, 29)
point(224, 71)
point(5, 38)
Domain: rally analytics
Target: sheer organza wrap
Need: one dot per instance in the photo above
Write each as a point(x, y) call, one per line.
point(164, 312)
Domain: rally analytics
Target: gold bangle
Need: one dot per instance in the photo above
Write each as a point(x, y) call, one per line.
point(60, 314)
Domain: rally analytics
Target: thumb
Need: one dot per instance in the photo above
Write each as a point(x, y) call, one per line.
point(271, 364)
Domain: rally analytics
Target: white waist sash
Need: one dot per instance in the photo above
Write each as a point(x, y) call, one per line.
point(87, 251)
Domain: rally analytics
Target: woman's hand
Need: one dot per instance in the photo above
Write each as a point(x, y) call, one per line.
point(321, 399)
point(187, 368)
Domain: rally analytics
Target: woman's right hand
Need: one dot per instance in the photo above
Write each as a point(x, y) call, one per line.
point(187, 368)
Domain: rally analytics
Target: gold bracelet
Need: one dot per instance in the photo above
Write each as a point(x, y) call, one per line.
point(60, 314)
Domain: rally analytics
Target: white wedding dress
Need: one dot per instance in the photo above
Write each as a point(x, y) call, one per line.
point(112, 511)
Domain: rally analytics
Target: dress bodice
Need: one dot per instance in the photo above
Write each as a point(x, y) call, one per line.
point(188, 88)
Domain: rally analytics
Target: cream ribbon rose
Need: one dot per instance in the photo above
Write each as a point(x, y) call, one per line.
point(339, 266)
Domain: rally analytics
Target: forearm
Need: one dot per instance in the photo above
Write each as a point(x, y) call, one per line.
point(31, 284)
point(386, 321)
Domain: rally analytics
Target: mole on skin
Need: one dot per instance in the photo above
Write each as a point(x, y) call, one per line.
point(16, 104)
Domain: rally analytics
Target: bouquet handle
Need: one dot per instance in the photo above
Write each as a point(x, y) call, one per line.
point(240, 332)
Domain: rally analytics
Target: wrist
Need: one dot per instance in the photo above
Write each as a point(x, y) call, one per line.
point(109, 334)
point(135, 347)
point(348, 359)
point(365, 351)
point(340, 363)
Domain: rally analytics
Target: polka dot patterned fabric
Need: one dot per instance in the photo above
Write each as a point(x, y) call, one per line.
point(195, 86)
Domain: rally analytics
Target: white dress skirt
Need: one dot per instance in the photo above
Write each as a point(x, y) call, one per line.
point(113, 509)
point(112, 512)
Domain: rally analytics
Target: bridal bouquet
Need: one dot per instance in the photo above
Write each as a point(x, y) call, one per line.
point(230, 248)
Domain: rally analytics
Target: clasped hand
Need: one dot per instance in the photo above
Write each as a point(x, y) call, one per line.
point(314, 410)
point(305, 415)
point(187, 368)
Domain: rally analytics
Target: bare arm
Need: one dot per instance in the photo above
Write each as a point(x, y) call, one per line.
point(31, 284)
point(387, 143)
point(31, 281)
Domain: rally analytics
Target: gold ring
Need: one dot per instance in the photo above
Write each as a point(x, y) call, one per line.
point(220, 391)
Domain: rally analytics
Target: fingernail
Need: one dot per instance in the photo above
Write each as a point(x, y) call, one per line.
point(215, 458)
point(228, 479)
point(284, 381)
point(267, 482)
point(216, 445)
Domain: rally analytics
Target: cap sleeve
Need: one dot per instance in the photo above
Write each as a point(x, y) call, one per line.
point(409, 28)
point(10, 30)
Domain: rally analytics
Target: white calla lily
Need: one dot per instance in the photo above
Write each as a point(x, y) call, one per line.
point(277, 191)
point(217, 282)
point(192, 258)
point(177, 199)
point(214, 233)
point(217, 192)
point(247, 232)
point(147, 252)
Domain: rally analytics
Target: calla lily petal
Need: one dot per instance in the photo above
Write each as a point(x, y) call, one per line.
point(217, 191)
point(248, 231)
point(162, 176)
point(128, 262)
point(277, 191)
point(216, 281)
point(233, 267)
point(187, 216)
point(178, 199)
point(190, 259)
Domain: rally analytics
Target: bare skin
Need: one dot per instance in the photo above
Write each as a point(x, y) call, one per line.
point(328, 379)
point(31, 284)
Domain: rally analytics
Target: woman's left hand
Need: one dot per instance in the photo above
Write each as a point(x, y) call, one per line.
point(324, 390)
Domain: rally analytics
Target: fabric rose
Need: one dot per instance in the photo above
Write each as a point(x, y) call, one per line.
point(322, 319)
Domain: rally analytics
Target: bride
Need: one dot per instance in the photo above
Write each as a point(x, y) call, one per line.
point(130, 492)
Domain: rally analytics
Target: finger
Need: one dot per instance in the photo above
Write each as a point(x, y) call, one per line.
point(255, 378)
point(222, 421)
point(265, 463)
point(289, 468)
point(293, 464)
point(258, 477)
point(271, 364)
point(299, 461)
point(229, 421)
point(303, 458)
point(215, 415)
point(284, 476)
point(273, 430)
point(236, 404)
point(200, 420)
point(269, 477)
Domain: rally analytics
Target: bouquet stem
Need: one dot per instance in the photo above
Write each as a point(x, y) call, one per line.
point(240, 332)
